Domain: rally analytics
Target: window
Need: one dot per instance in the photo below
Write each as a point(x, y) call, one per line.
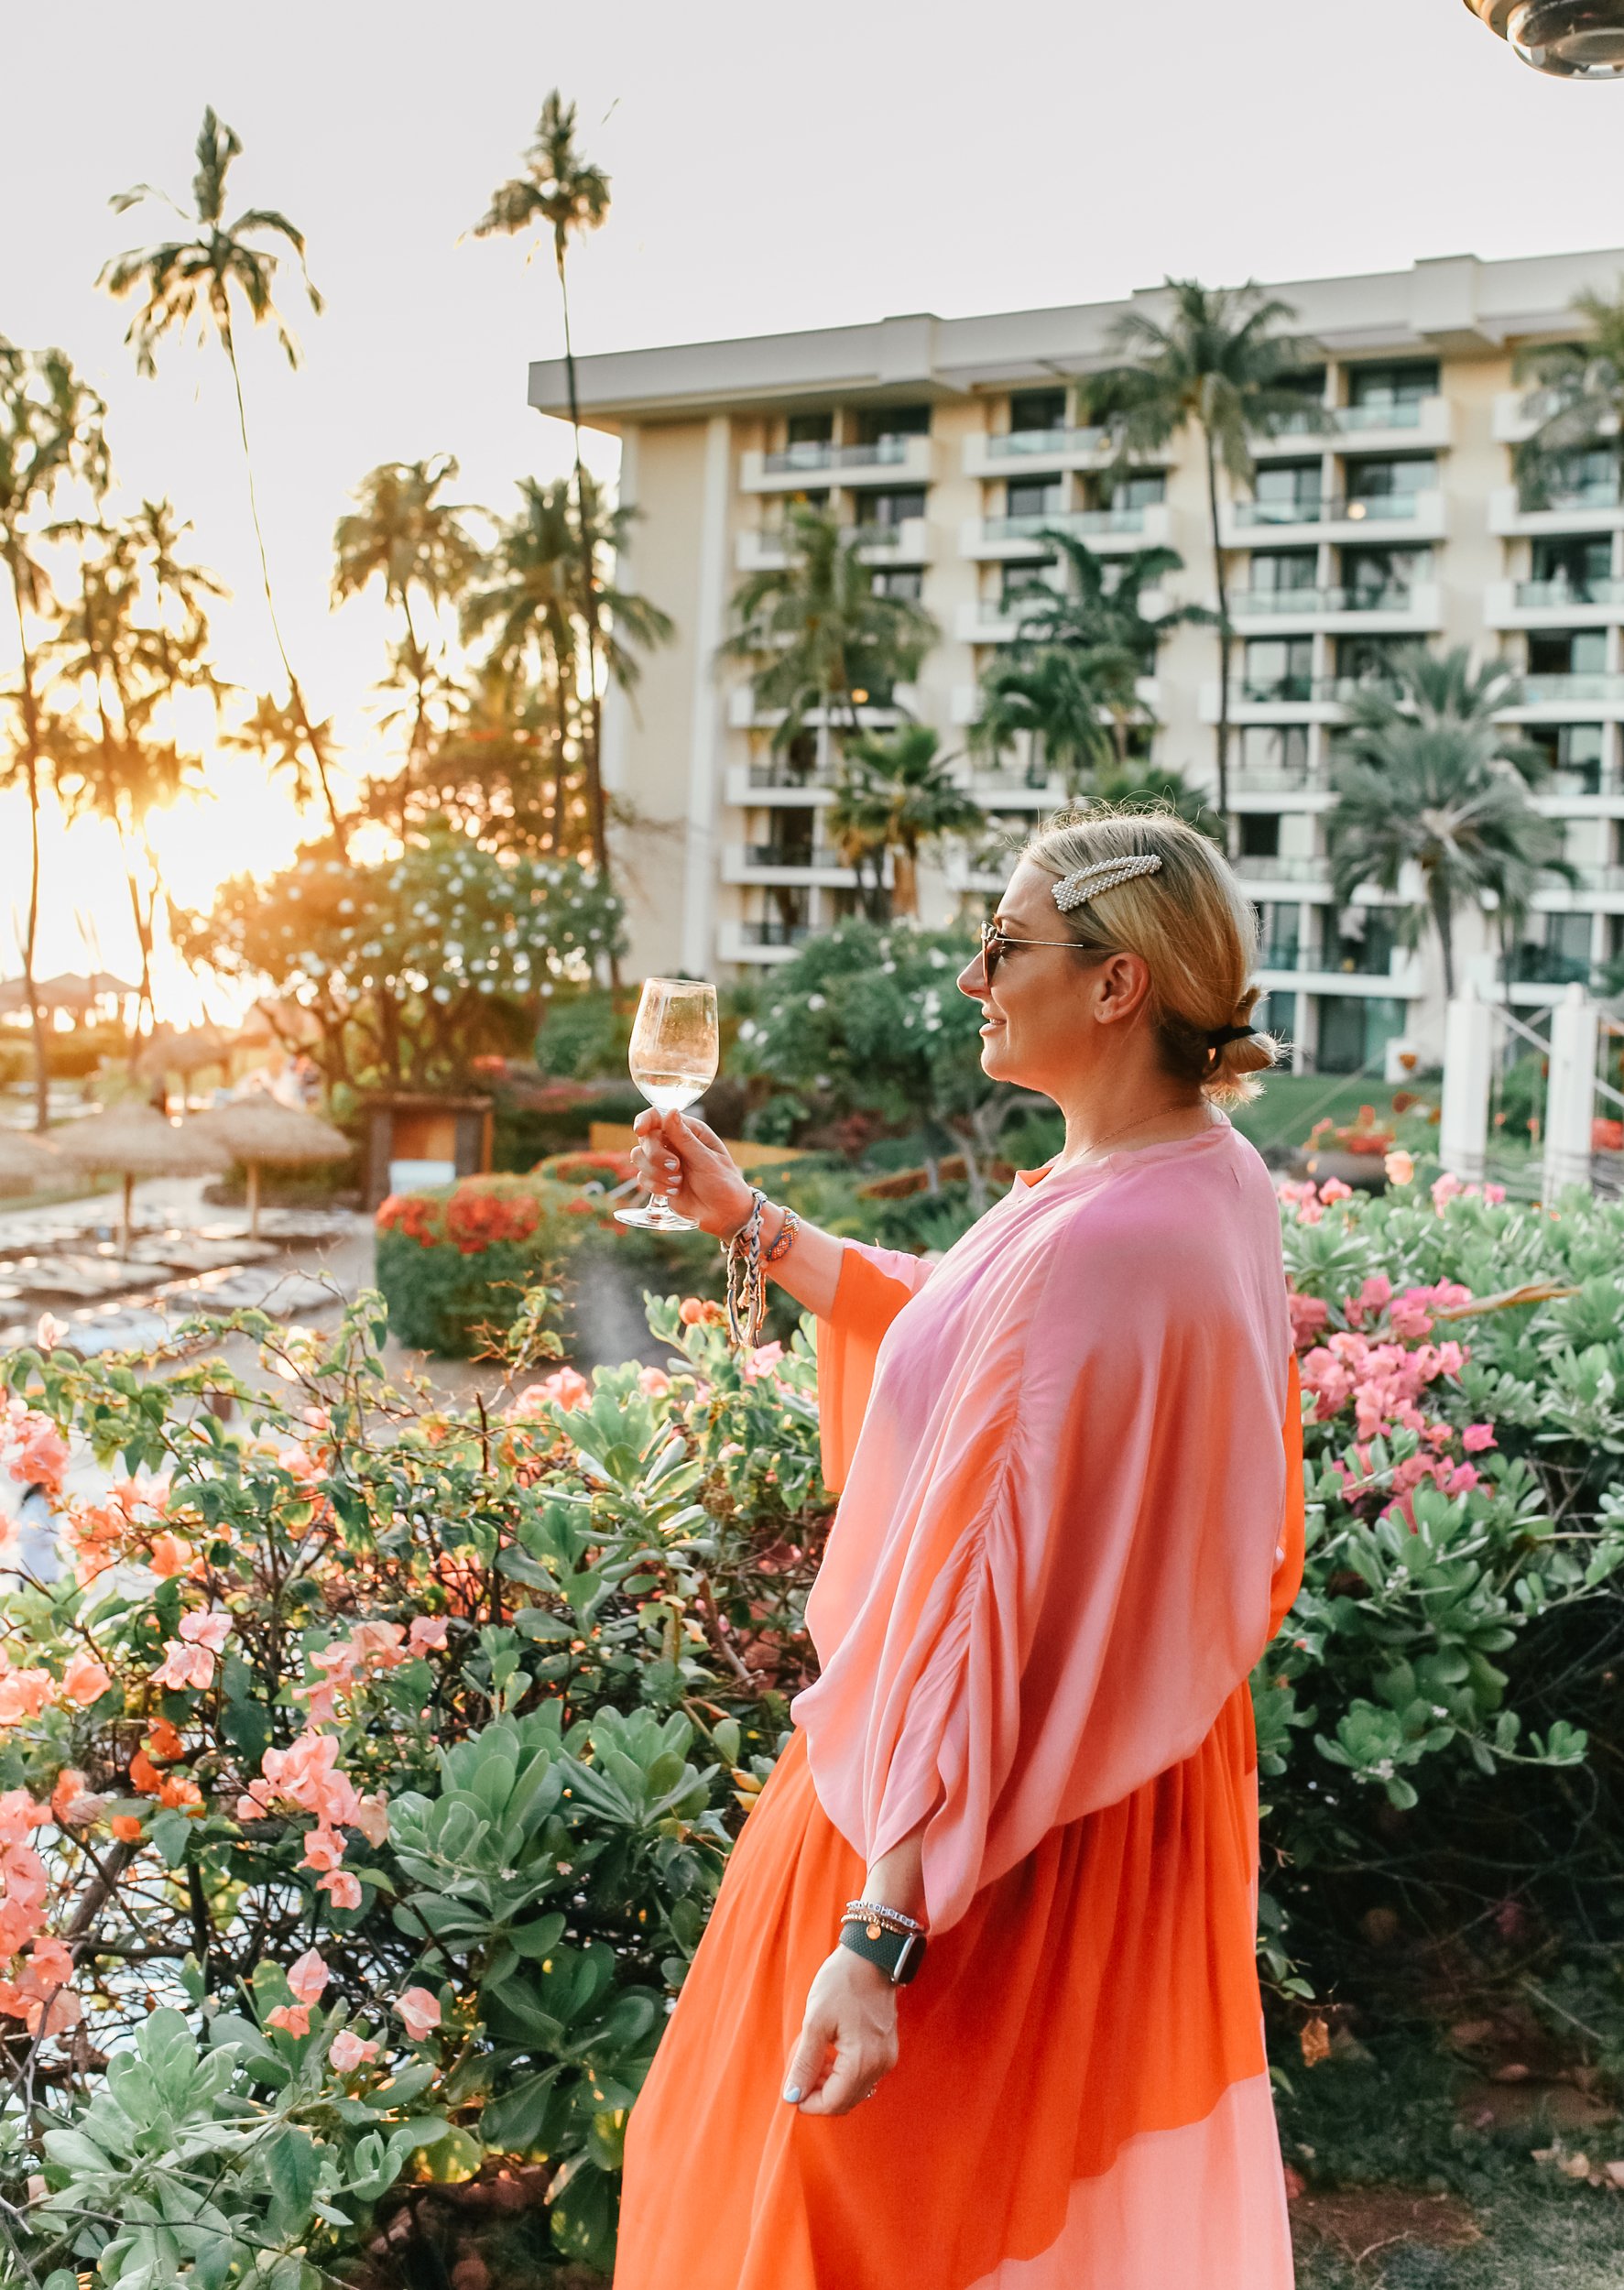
point(809, 497)
point(1275, 751)
point(1034, 497)
point(790, 835)
point(1024, 575)
point(1568, 653)
point(1354, 1030)
point(1277, 1014)
point(1143, 490)
point(1588, 477)
point(877, 423)
point(1387, 574)
point(1572, 563)
point(890, 506)
point(1370, 660)
point(1359, 939)
point(1389, 476)
point(1259, 834)
point(1562, 956)
point(1036, 410)
point(1283, 572)
point(1278, 668)
point(1278, 941)
point(1405, 383)
point(906, 581)
point(1287, 492)
point(811, 429)
point(1573, 753)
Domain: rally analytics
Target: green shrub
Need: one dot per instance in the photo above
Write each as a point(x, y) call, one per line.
point(454, 1263)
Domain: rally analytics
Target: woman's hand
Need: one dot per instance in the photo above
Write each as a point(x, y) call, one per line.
point(688, 1162)
point(850, 2010)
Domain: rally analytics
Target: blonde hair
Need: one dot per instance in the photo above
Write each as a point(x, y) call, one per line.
point(1189, 921)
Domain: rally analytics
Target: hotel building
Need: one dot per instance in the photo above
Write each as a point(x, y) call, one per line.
point(948, 445)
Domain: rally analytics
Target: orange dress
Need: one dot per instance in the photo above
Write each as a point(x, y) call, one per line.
point(1068, 1523)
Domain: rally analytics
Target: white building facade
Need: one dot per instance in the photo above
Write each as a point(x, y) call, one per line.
point(947, 445)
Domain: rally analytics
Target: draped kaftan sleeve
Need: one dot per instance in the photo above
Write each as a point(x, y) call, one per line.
point(873, 1286)
point(1055, 1549)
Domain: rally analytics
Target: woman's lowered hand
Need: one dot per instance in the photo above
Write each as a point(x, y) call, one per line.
point(687, 1162)
point(848, 2039)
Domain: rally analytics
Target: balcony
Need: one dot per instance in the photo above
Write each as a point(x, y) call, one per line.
point(1398, 516)
point(966, 704)
point(886, 460)
point(1000, 453)
point(771, 862)
point(1553, 699)
point(1416, 421)
point(760, 941)
point(1285, 867)
point(1275, 779)
point(1280, 700)
point(764, 549)
point(1517, 413)
point(1102, 530)
point(1396, 609)
point(1590, 509)
point(744, 715)
point(777, 783)
point(1553, 603)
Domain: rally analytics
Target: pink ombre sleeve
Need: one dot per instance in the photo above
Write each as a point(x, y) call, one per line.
point(873, 1287)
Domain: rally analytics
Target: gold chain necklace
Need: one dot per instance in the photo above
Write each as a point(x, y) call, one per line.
point(1126, 1130)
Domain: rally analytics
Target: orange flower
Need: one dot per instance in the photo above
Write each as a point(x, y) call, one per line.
point(126, 1827)
point(145, 1775)
point(164, 1741)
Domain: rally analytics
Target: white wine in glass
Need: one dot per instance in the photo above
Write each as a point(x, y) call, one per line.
point(674, 1053)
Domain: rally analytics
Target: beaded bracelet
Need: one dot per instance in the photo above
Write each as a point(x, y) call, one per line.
point(785, 1238)
point(880, 1912)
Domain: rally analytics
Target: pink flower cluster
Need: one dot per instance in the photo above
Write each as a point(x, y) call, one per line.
point(42, 1986)
point(188, 1660)
point(1380, 1367)
point(306, 1774)
point(31, 1447)
point(566, 1387)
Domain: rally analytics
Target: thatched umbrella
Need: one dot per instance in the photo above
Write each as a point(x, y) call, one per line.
point(24, 1156)
point(134, 1140)
point(262, 1132)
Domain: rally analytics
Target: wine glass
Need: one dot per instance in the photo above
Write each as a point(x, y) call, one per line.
point(674, 1062)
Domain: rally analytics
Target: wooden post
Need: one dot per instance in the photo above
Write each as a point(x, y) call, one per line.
point(253, 1167)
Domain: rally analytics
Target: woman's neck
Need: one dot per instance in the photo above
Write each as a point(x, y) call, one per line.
point(1095, 1127)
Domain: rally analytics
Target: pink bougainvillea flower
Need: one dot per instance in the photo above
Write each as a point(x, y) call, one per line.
point(372, 1818)
point(419, 2010)
point(1333, 1189)
point(209, 1630)
point(1400, 1167)
point(31, 1448)
point(84, 1679)
point(341, 1888)
point(295, 2018)
point(323, 1849)
point(24, 1694)
point(653, 1382)
point(763, 1361)
point(428, 1633)
point(1477, 1436)
point(1444, 1189)
point(184, 1667)
point(1494, 1194)
point(348, 2052)
point(74, 1806)
point(308, 1975)
point(566, 1387)
point(51, 1332)
point(171, 1555)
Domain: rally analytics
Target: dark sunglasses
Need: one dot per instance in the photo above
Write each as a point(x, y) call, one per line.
point(995, 941)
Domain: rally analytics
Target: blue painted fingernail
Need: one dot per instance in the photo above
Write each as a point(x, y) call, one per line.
point(794, 2093)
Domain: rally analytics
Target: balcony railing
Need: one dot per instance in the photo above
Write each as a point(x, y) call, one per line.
point(773, 933)
point(1079, 521)
point(875, 536)
point(1010, 444)
point(1281, 868)
point(1403, 413)
point(1275, 778)
point(1556, 596)
point(778, 855)
point(1603, 494)
point(780, 773)
point(821, 453)
point(1275, 691)
point(1545, 965)
point(1309, 511)
point(1606, 691)
point(1397, 596)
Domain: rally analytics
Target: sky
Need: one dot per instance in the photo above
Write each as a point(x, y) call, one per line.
point(769, 170)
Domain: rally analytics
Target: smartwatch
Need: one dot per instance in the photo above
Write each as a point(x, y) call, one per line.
point(898, 1954)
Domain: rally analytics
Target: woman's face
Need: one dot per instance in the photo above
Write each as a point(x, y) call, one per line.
point(1046, 1015)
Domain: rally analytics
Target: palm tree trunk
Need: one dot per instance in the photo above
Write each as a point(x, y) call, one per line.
point(596, 818)
point(30, 709)
point(1226, 633)
point(906, 901)
point(317, 754)
point(1443, 920)
point(420, 719)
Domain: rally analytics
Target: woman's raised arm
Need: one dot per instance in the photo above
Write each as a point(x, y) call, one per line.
point(686, 1160)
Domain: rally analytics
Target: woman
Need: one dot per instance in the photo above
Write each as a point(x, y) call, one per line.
point(1069, 1457)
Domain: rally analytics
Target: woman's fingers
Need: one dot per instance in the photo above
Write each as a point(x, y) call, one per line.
point(858, 2068)
point(805, 2071)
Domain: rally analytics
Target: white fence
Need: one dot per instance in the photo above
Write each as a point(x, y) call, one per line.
point(1572, 1089)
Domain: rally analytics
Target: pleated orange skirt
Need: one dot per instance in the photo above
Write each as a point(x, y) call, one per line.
point(1082, 2097)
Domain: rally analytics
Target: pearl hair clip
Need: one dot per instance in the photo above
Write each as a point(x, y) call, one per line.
point(1102, 874)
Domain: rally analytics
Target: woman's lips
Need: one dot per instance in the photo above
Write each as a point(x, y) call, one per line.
point(991, 1025)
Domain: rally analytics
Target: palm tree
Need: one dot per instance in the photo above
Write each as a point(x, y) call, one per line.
point(818, 635)
point(50, 435)
point(565, 194)
point(525, 604)
point(895, 794)
point(197, 278)
point(1427, 779)
point(402, 534)
point(1580, 397)
point(1062, 696)
point(275, 735)
point(1101, 610)
point(1220, 365)
point(1152, 787)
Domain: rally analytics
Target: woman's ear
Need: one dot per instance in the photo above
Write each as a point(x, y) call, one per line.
point(1121, 987)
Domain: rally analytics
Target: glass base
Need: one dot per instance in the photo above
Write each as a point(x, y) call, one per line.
point(656, 1217)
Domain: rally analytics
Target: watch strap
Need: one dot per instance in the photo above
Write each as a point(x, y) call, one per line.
point(898, 1954)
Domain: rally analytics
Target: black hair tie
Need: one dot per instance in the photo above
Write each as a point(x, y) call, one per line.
point(1221, 1035)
